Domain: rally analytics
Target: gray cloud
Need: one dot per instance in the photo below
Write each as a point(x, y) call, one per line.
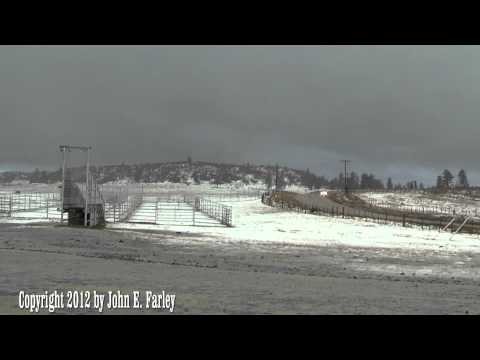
point(404, 111)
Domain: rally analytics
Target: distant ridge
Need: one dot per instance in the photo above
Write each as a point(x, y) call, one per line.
point(186, 172)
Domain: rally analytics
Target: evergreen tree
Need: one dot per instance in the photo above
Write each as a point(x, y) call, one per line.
point(364, 181)
point(279, 179)
point(439, 182)
point(462, 179)
point(138, 174)
point(196, 177)
point(268, 180)
point(277, 174)
point(341, 181)
point(447, 178)
point(353, 181)
point(389, 184)
point(218, 176)
point(309, 179)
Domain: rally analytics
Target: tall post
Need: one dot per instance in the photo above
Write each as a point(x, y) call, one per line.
point(276, 177)
point(345, 175)
point(87, 188)
point(94, 184)
point(193, 213)
point(63, 183)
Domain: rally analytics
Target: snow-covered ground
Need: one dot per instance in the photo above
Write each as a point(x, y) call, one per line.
point(27, 207)
point(418, 201)
point(271, 261)
point(257, 223)
point(41, 215)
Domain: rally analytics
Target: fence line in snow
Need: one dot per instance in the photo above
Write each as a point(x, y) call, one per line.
point(12, 204)
point(212, 209)
point(425, 209)
point(404, 219)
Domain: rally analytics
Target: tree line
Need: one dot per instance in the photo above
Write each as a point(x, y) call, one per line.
point(355, 181)
point(445, 180)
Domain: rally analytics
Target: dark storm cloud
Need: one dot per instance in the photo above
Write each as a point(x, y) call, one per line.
point(405, 111)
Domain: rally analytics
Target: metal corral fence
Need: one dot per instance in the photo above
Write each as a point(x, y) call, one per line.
point(167, 208)
point(403, 219)
point(425, 208)
point(43, 204)
point(212, 209)
point(121, 208)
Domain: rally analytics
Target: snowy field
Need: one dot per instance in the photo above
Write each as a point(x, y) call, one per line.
point(271, 262)
point(418, 201)
point(257, 223)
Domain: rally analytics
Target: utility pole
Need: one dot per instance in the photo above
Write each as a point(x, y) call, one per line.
point(345, 174)
point(276, 177)
point(63, 149)
point(87, 188)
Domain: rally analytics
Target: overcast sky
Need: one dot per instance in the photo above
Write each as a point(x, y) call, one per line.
point(401, 111)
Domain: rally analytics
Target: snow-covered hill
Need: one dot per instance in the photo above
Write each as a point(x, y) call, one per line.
point(186, 172)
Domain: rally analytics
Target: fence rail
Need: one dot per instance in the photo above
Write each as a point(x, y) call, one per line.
point(44, 204)
point(212, 209)
point(403, 219)
point(425, 208)
point(170, 209)
point(121, 208)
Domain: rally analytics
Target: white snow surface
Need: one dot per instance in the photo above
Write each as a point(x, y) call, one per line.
point(25, 217)
point(257, 223)
point(419, 201)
